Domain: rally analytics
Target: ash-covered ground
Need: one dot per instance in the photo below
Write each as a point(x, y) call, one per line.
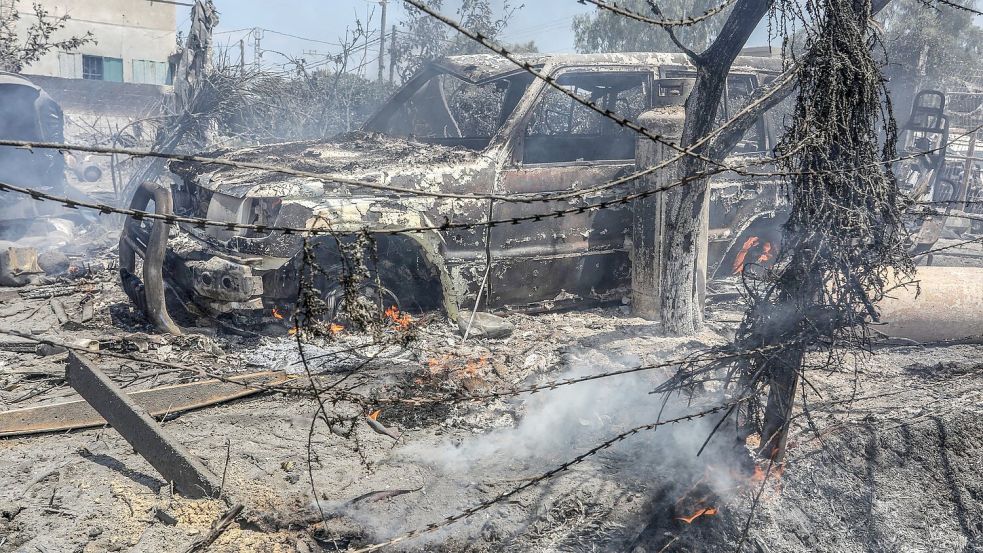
point(890, 458)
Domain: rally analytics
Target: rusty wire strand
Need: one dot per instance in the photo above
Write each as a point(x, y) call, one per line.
point(698, 357)
point(682, 22)
point(952, 5)
point(200, 222)
point(774, 88)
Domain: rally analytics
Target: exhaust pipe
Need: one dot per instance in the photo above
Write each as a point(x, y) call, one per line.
point(83, 169)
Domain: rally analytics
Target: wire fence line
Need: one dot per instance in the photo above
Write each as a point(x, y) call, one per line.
point(774, 88)
point(955, 6)
point(694, 358)
point(200, 222)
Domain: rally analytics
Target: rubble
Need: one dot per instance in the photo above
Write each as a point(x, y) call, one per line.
point(392, 423)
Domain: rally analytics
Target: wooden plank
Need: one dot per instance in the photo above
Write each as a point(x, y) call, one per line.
point(72, 415)
point(168, 456)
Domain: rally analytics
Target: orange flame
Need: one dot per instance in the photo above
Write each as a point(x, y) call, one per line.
point(767, 253)
point(374, 415)
point(335, 328)
point(706, 511)
point(401, 320)
point(292, 331)
point(741, 255)
point(277, 314)
point(761, 474)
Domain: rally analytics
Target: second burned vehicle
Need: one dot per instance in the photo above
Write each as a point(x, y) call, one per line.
point(468, 125)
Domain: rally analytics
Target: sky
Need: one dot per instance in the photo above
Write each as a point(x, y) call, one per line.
point(319, 25)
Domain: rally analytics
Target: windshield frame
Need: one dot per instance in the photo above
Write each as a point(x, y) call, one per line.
point(513, 102)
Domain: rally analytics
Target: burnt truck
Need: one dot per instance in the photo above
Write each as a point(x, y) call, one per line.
point(464, 125)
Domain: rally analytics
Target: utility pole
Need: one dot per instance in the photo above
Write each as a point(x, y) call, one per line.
point(257, 51)
point(392, 54)
point(382, 39)
point(242, 56)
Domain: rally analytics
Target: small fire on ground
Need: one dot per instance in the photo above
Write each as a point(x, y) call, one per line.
point(457, 366)
point(402, 321)
point(700, 500)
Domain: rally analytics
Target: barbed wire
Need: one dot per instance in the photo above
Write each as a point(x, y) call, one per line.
point(936, 213)
point(977, 240)
point(484, 505)
point(953, 5)
point(705, 356)
point(683, 22)
point(446, 225)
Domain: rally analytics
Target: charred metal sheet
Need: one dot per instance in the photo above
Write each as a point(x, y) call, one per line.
point(175, 463)
point(158, 402)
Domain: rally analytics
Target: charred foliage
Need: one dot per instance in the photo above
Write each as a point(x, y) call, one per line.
point(845, 242)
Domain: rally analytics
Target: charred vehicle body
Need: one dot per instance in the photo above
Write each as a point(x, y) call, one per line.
point(464, 125)
point(28, 113)
point(943, 162)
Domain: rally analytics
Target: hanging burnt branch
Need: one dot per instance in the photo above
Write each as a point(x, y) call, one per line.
point(845, 239)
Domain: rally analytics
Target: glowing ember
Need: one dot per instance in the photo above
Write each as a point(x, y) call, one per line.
point(473, 367)
point(374, 415)
point(277, 314)
point(766, 253)
point(457, 367)
point(706, 511)
point(292, 331)
point(335, 328)
point(401, 320)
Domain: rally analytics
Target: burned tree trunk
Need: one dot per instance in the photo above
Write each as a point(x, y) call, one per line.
point(686, 206)
point(648, 215)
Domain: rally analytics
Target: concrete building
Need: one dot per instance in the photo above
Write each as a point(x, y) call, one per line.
point(134, 39)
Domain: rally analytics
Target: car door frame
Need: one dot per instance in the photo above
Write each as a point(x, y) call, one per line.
point(541, 266)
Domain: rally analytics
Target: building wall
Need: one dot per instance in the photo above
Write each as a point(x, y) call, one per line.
point(131, 30)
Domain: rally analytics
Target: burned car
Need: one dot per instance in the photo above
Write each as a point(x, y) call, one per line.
point(464, 125)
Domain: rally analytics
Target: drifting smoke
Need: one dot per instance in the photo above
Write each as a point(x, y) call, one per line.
point(558, 424)
point(554, 427)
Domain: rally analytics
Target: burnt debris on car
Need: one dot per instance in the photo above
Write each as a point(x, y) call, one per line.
point(463, 125)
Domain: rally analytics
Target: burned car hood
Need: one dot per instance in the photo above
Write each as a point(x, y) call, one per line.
point(367, 157)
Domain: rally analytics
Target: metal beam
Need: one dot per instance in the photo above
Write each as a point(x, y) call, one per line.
point(175, 463)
